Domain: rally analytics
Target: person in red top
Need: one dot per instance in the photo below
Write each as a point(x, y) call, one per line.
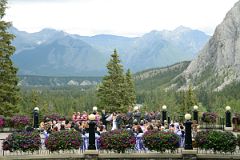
point(84, 116)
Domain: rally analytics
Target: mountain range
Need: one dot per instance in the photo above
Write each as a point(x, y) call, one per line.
point(56, 53)
point(216, 64)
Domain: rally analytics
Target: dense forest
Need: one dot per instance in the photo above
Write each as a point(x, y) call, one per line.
point(65, 100)
point(150, 86)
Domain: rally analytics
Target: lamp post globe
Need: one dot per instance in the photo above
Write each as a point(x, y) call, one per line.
point(94, 108)
point(187, 116)
point(36, 109)
point(135, 108)
point(228, 108)
point(164, 107)
point(195, 107)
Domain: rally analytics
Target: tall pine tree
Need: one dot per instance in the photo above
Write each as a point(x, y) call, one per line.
point(187, 101)
point(130, 93)
point(9, 91)
point(115, 89)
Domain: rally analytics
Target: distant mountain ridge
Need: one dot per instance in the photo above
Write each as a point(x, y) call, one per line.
point(53, 81)
point(51, 52)
point(158, 78)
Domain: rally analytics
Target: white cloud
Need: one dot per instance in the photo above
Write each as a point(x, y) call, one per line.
point(121, 17)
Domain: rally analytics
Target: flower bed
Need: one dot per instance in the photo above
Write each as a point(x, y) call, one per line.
point(63, 140)
point(22, 141)
point(20, 122)
point(201, 139)
point(216, 141)
point(2, 121)
point(161, 141)
point(117, 140)
point(209, 117)
point(55, 117)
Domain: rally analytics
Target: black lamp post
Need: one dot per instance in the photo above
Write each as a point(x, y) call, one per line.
point(195, 113)
point(228, 116)
point(92, 124)
point(188, 132)
point(36, 117)
point(164, 113)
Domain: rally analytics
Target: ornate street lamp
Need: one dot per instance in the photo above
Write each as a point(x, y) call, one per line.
point(195, 113)
point(228, 116)
point(36, 117)
point(164, 113)
point(92, 124)
point(188, 132)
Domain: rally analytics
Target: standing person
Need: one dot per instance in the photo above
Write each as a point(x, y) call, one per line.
point(119, 120)
point(137, 115)
point(130, 116)
point(158, 115)
point(97, 117)
point(104, 119)
point(114, 122)
point(147, 117)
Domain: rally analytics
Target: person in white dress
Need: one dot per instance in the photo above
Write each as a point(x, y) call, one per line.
point(114, 123)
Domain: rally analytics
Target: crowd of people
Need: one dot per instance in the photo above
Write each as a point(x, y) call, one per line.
point(133, 120)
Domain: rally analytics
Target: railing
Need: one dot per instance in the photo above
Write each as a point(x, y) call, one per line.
point(139, 148)
point(218, 125)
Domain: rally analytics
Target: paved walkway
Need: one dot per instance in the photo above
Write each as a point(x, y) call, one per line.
point(4, 135)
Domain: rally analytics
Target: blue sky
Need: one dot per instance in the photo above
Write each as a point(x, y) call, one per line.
point(119, 17)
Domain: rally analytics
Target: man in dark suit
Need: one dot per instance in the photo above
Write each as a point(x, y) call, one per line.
point(104, 117)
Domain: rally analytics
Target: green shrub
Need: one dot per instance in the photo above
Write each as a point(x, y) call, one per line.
point(63, 140)
point(217, 141)
point(117, 141)
point(2, 121)
point(201, 139)
point(238, 140)
point(20, 122)
point(209, 117)
point(161, 141)
point(22, 141)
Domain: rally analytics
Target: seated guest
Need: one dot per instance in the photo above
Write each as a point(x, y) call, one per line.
point(74, 117)
point(67, 124)
point(78, 116)
point(84, 116)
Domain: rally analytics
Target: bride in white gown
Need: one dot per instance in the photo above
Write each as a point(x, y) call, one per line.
point(114, 123)
point(113, 118)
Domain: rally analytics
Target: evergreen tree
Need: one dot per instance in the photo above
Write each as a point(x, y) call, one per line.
point(130, 93)
point(191, 99)
point(9, 91)
point(112, 90)
point(186, 100)
point(182, 100)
